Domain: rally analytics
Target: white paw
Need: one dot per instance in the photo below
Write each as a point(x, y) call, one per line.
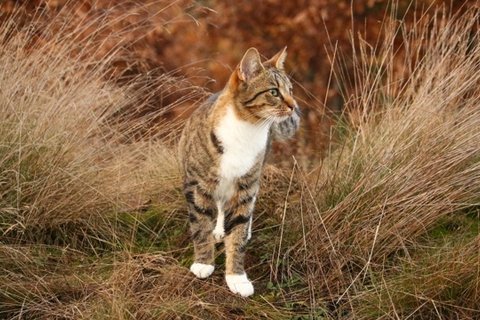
point(239, 283)
point(202, 270)
point(218, 233)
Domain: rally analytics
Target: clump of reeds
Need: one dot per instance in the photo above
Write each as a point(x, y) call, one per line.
point(406, 156)
point(66, 156)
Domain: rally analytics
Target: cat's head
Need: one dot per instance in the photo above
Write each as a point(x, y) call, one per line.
point(262, 91)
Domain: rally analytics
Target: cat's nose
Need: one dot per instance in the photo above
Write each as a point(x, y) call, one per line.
point(290, 102)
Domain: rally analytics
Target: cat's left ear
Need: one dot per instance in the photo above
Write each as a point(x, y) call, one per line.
point(250, 66)
point(278, 60)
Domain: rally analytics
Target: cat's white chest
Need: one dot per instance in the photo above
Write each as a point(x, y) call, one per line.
point(242, 143)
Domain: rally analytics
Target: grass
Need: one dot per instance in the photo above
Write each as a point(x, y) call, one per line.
point(438, 280)
point(384, 225)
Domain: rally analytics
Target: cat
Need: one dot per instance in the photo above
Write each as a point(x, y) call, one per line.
point(222, 151)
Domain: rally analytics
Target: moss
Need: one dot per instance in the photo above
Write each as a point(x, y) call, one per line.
point(455, 227)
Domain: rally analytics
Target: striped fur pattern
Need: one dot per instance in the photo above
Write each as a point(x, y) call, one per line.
point(222, 151)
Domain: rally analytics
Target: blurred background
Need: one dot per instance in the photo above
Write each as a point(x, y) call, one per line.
point(199, 42)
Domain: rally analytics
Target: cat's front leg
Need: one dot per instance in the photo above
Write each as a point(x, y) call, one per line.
point(219, 230)
point(237, 227)
point(250, 222)
point(249, 233)
point(201, 215)
point(203, 244)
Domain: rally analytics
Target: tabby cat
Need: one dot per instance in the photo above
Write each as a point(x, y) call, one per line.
point(222, 151)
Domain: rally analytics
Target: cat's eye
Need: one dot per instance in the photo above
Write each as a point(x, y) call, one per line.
point(274, 92)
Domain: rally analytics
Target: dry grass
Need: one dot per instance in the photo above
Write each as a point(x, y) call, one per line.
point(408, 157)
point(385, 225)
point(63, 160)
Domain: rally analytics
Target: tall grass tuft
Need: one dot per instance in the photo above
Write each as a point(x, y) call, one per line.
point(63, 160)
point(406, 157)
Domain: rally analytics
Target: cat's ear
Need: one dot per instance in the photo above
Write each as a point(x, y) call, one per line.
point(278, 60)
point(250, 66)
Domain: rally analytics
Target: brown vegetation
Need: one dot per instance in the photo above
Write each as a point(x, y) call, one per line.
point(203, 40)
point(384, 225)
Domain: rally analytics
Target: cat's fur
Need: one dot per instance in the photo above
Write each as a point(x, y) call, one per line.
point(222, 151)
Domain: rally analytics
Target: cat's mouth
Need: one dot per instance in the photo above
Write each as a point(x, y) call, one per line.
point(280, 118)
point(282, 115)
point(276, 115)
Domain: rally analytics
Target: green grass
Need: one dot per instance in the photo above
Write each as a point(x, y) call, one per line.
point(435, 280)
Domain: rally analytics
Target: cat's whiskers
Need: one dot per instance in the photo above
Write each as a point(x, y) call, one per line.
point(266, 122)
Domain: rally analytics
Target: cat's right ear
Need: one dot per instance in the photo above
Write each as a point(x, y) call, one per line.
point(250, 66)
